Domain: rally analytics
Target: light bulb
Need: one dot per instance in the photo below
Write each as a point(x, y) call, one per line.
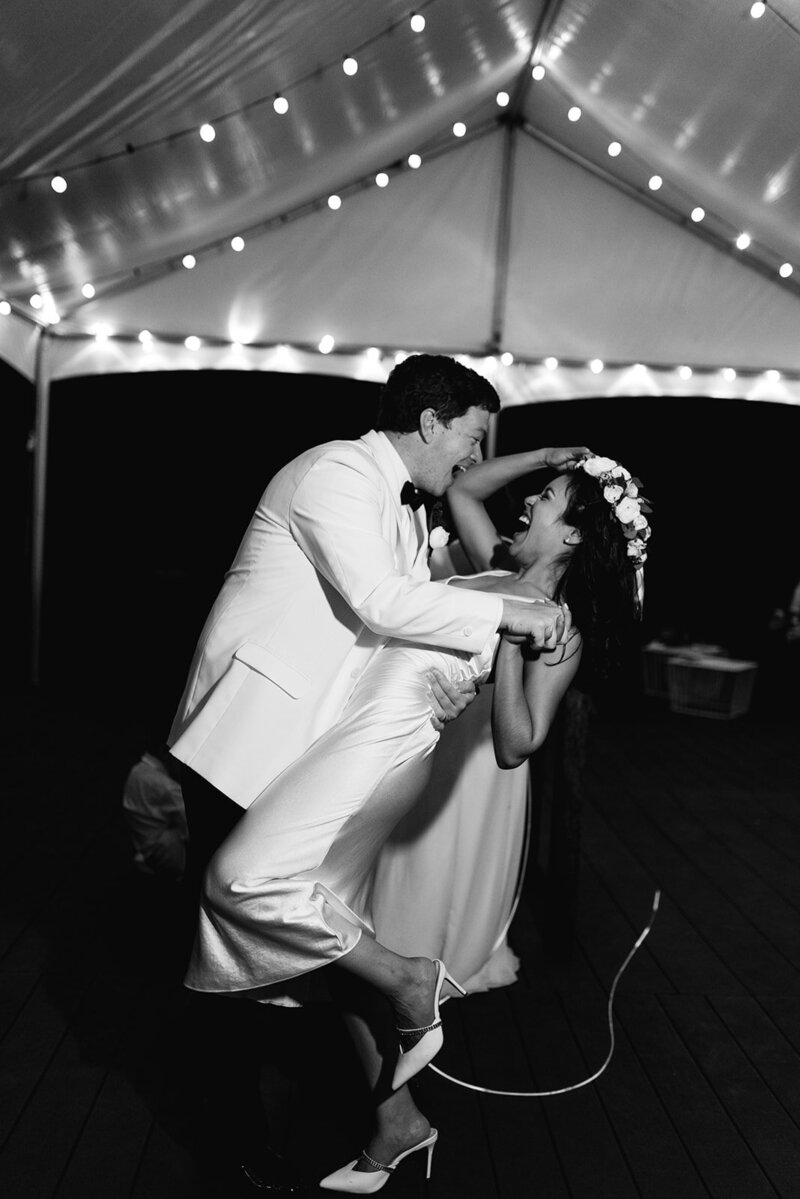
point(551, 363)
point(189, 261)
point(596, 365)
point(192, 343)
point(538, 73)
point(382, 179)
point(698, 213)
point(459, 129)
point(326, 344)
point(502, 99)
point(88, 291)
point(349, 66)
point(414, 161)
point(237, 244)
point(654, 182)
point(281, 105)
point(208, 133)
point(742, 241)
point(5, 308)
point(145, 337)
point(772, 375)
point(728, 374)
point(786, 270)
point(373, 353)
point(417, 22)
point(614, 149)
point(507, 358)
point(574, 113)
point(58, 183)
point(685, 372)
point(757, 10)
point(36, 300)
point(334, 202)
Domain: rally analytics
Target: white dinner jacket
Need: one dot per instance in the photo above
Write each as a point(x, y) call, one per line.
point(330, 566)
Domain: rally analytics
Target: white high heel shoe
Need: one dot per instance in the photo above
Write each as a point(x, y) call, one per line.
point(367, 1182)
point(423, 1051)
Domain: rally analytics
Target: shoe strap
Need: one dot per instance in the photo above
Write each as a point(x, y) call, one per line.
point(427, 1028)
point(378, 1165)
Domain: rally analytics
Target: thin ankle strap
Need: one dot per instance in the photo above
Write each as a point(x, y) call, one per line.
point(427, 1028)
point(378, 1165)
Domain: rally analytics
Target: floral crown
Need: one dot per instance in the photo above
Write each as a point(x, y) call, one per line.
point(622, 491)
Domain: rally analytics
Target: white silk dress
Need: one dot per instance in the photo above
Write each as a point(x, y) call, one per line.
point(290, 888)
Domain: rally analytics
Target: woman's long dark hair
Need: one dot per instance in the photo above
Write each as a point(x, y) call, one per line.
point(599, 582)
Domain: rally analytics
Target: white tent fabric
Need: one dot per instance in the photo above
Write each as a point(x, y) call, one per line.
point(525, 237)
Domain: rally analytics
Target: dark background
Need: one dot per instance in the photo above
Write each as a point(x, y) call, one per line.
point(153, 478)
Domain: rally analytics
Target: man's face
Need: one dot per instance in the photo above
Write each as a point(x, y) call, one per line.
point(454, 447)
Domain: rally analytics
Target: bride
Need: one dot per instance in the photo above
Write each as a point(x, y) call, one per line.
point(290, 889)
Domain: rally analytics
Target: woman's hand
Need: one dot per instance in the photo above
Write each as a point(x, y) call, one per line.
point(562, 457)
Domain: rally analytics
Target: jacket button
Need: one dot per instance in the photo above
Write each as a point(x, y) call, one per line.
point(468, 630)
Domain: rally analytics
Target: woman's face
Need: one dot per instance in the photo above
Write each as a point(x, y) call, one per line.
point(543, 529)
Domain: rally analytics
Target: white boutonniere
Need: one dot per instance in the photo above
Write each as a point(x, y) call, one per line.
point(438, 538)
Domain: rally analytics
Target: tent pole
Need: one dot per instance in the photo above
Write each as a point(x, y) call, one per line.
point(41, 431)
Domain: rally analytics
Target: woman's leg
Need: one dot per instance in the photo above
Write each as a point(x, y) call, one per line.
point(399, 1123)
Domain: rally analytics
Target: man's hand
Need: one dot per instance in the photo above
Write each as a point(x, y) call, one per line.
point(562, 457)
point(448, 699)
point(544, 625)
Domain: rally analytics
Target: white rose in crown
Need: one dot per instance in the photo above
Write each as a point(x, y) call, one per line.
point(631, 488)
point(612, 492)
point(619, 472)
point(438, 538)
point(627, 510)
point(598, 466)
point(640, 522)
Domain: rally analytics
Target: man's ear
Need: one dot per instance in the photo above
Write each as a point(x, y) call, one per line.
point(427, 424)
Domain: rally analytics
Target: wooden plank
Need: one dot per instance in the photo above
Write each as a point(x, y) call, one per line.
point(771, 1135)
point(747, 952)
point(712, 1141)
point(770, 1053)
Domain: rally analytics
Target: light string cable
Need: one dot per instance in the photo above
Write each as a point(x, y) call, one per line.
point(612, 1039)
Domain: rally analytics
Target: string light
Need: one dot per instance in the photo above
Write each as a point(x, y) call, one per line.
point(334, 202)
point(757, 10)
point(101, 332)
point(192, 342)
point(417, 22)
point(685, 372)
point(237, 244)
point(654, 182)
point(742, 241)
point(349, 65)
point(146, 337)
point(502, 99)
point(614, 149)
point(414, 161)
point(373, 353)
point(326, 344)
point(728, 374)
point(36, 300)
point(208, 133)
point(189, 261)
point(772, 375)
point(280, 104)
point(698, 213)
point(538, 73)
point(574, 113)
point(551, 364)
point(88, 291)
point(58, 184)
point(5, 308)
point(596, 366)
point(507, 358)
point(786, 270)
point(459, 129)
point(382, 179)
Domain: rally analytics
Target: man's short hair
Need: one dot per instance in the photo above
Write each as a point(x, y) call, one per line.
point(431, 381)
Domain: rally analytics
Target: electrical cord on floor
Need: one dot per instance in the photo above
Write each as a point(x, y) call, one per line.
point(610, 1014)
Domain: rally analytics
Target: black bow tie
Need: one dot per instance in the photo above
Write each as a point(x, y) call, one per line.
point(409, 495)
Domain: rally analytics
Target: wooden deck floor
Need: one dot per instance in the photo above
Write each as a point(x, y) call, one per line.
point(701, 1099)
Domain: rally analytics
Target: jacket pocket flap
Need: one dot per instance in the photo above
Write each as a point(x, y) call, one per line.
point(278, 672)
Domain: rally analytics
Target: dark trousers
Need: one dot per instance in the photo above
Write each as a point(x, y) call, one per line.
point(227, 1034)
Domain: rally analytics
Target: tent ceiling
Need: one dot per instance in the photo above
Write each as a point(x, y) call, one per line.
point(525, 235)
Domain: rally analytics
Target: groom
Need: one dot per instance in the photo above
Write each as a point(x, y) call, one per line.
point(333, 563)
